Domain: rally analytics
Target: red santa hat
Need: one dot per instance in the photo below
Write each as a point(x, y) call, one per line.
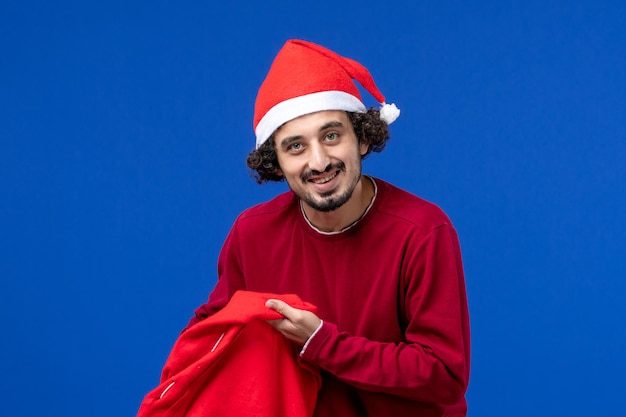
point(305, 78)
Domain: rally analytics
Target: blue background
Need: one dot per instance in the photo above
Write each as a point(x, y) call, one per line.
point(124, 128)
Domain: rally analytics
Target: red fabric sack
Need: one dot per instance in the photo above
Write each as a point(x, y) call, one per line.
point(235, 364)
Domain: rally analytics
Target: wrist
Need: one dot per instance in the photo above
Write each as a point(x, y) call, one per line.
point(311, 337)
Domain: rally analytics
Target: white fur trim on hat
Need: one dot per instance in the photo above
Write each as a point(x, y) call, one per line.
point(298, 106)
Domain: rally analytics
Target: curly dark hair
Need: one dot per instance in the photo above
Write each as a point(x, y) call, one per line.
point(368, 127)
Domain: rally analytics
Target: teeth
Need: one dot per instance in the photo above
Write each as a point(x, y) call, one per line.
point(325, 180)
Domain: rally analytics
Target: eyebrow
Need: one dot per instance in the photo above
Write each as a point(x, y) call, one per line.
point(288, 140)
point(334, 123)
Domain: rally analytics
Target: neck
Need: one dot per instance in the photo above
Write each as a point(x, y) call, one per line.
point(347, 214)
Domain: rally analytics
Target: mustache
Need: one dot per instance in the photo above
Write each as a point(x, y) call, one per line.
point(337, 165)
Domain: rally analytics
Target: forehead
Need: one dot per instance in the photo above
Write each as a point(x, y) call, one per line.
point(312, 122)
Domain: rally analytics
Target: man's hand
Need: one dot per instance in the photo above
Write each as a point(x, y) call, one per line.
point(298, 325)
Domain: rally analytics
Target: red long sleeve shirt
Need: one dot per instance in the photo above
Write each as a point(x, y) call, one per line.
point(391, 291)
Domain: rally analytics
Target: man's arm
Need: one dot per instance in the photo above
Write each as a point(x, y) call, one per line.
point(432, 363)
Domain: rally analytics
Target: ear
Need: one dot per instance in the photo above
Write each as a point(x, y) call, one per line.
point(279, 172)
point(363, 148)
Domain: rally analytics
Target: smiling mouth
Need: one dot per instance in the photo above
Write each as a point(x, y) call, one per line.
point(325, 179)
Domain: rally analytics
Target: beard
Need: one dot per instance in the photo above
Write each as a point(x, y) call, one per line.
point(329, 201)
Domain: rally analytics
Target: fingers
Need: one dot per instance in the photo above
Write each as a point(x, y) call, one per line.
point(297, 325)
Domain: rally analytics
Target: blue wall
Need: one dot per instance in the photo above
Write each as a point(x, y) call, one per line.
point(123, 134)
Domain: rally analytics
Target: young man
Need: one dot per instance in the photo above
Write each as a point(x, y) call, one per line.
point(383, 267)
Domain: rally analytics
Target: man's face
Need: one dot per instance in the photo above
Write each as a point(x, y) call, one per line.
point(320, 157)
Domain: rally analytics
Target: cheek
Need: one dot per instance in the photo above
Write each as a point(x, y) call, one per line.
point(283, 165)
point(287, 167)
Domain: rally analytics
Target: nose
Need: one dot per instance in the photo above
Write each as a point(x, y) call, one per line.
point(318, 158)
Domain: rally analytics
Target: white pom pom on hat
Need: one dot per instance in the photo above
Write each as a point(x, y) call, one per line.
point(389, 113)
point(306, 78)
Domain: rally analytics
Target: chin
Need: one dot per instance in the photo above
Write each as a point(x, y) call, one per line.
point(328, 204)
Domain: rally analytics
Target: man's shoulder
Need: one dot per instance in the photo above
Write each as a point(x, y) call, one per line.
point(277, 207)
point(411, 208)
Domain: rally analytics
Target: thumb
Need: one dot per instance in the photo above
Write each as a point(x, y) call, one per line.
point(279, 306)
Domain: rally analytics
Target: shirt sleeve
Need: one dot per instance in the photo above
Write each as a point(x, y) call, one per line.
point(431, 364)
point(311, 337)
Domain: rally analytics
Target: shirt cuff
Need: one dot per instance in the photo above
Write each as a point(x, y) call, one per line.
point(311, 337)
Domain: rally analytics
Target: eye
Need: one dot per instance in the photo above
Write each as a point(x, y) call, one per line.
point(295, 147)
point(331, 136)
